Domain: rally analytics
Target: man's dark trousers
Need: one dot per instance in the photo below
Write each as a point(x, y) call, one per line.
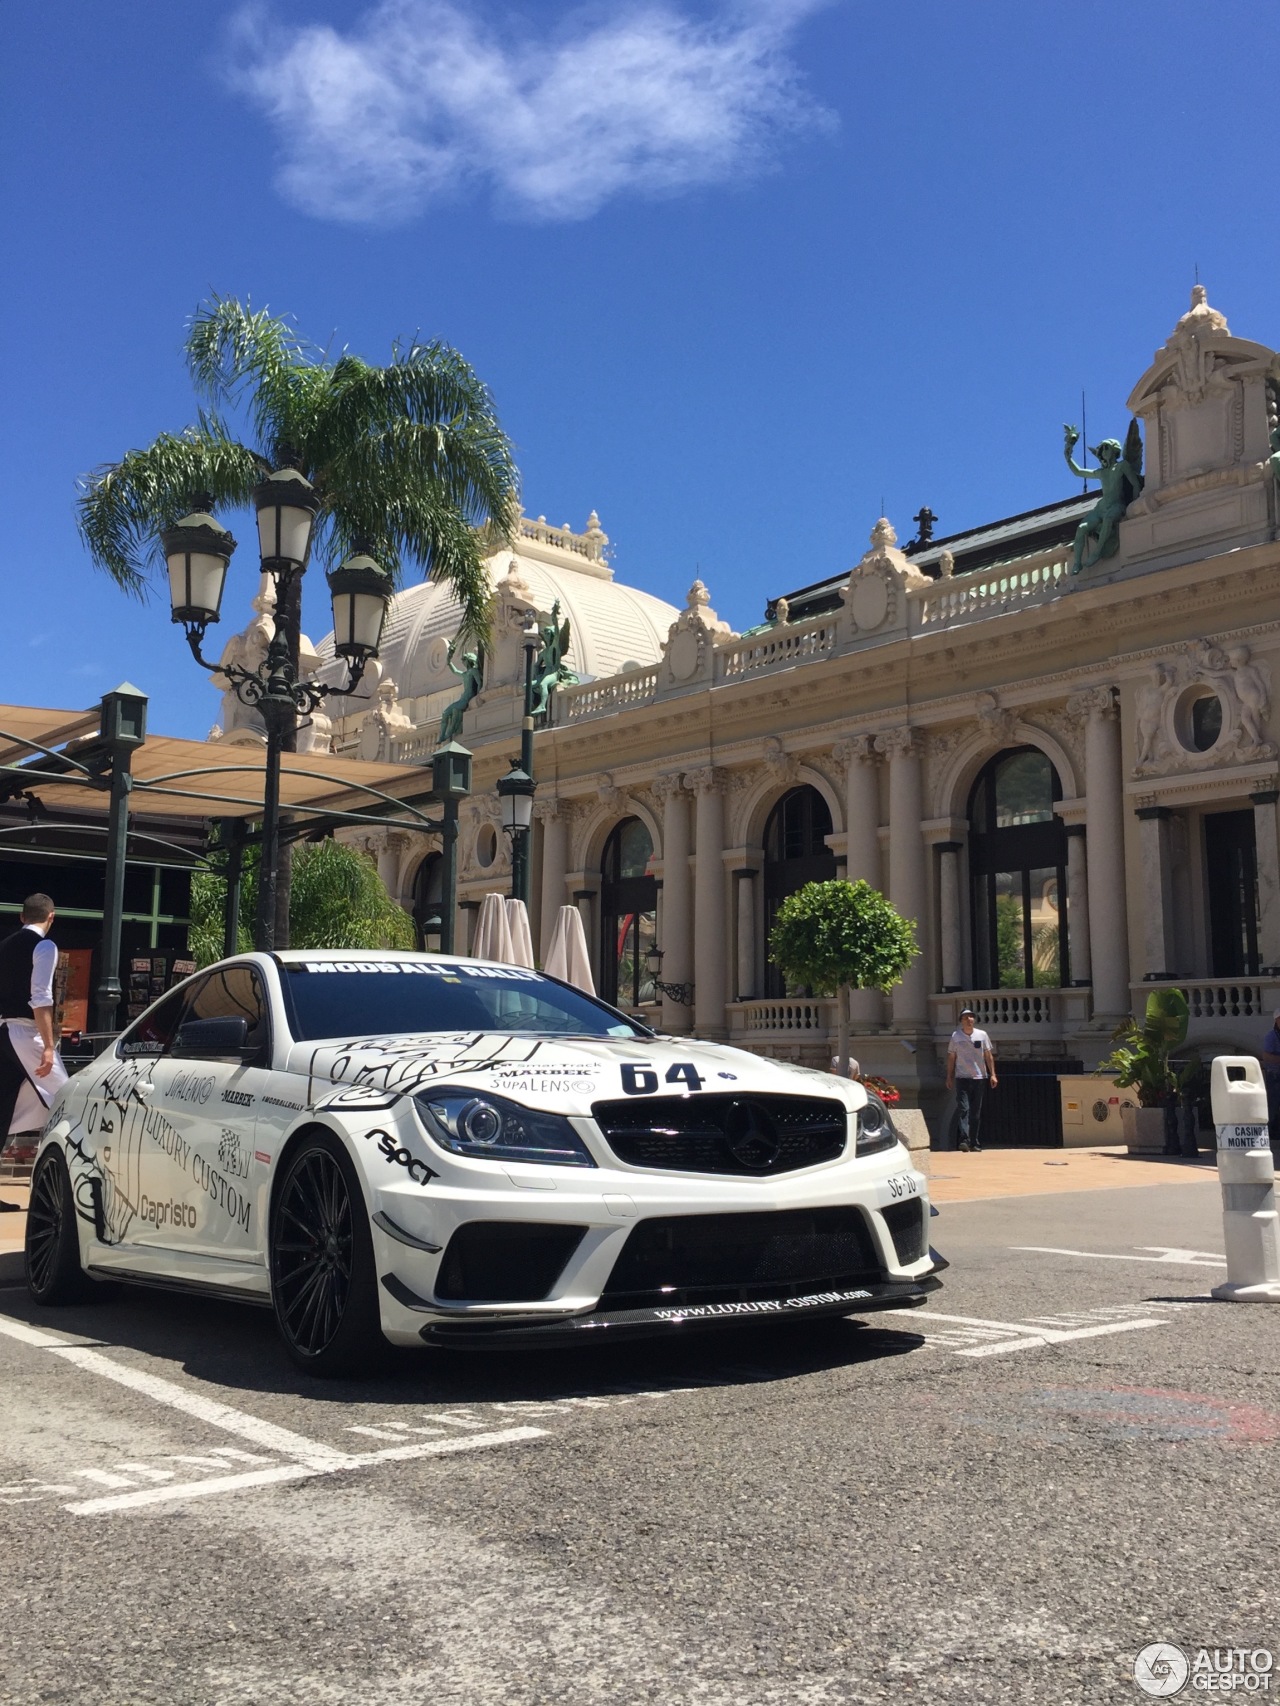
point(969, 1094)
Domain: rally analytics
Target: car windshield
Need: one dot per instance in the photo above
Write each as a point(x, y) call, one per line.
point(343, 998)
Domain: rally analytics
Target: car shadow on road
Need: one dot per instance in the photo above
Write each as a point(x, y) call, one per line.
point(236, 1347)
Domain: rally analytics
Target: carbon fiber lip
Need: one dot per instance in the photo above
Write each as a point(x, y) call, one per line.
point(635, 1323)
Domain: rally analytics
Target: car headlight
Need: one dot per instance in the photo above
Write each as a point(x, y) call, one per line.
point(473, 1122)
point(875, 1128)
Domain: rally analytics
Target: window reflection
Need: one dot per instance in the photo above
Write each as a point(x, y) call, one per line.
point(628, 914)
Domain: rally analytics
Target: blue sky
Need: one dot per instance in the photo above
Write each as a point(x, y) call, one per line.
point(736, 272)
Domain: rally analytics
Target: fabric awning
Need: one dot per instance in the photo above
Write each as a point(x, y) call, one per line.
point(203, 779)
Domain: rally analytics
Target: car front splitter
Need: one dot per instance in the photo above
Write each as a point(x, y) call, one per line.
point(635, 1323)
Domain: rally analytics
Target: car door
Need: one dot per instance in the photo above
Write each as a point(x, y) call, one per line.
point(204, 1115)
point(131, 1172)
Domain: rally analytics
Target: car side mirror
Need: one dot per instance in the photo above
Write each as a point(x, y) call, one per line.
point(212, 1039)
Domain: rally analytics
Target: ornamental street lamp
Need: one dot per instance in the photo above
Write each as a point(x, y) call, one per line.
point(516, 789)
point(515, 792)
point(680, 993)
point(198, 551)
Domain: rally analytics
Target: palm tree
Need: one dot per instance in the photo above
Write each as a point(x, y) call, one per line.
point(409, 460)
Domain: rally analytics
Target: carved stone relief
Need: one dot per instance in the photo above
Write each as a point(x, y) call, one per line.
point(1177, 724)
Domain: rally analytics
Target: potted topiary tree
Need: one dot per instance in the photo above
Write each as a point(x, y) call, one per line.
point(838, 936)
point(1142, 1061)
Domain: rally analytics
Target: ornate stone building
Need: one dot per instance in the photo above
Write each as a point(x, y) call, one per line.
point(1070, 780)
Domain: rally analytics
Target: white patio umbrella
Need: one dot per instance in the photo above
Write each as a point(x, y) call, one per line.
point(521, 936)
point(567, 957)
point(493, 933)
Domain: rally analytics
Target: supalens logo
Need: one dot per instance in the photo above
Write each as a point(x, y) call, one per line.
point(1163, 1670)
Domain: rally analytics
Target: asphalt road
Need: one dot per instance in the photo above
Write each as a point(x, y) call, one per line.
point(1002, 1497)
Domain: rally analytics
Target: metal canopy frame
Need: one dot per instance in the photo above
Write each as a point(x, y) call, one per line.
point(319, 797)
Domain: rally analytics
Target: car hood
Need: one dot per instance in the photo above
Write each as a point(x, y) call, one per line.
point(562, 1074)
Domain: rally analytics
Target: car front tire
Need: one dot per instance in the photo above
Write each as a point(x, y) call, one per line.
point(52, 1250)
point(323, 1284)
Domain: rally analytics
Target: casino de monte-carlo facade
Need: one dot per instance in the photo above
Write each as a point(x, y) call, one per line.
point(1069, 780)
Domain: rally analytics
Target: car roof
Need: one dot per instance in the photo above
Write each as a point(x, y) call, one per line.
point(364, 956)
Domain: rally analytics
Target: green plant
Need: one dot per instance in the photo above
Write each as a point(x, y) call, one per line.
point(837, 936)
point(337, 901)
point(408, 459)
point(1142, 1058)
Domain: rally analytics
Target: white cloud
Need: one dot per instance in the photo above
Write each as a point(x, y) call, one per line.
point(419, 101)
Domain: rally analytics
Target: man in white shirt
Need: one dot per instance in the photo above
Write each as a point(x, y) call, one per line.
point(30, 1072)
point(971, 1066)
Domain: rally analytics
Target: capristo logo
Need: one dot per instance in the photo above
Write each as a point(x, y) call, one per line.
point(171, 1213)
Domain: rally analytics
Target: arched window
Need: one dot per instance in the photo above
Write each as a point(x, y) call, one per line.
point(428, 902)
point(628, 914)
point(1018, 873)
point(795, 853)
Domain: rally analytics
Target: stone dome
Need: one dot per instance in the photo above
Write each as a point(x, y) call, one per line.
point(611, 625)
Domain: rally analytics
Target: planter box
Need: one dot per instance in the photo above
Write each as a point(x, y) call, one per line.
point(1143, 1130)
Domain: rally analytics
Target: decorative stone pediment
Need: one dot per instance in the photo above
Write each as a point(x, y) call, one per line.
point(873, 595)
point(1201, 707)
point(691, 639)
point(1203, 405)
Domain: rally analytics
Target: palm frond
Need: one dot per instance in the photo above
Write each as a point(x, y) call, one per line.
point(429, 409)
point(423, 526)
point(123, 505)
point(234, 351)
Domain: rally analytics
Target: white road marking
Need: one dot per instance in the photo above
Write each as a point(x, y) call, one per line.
point(274, 1438)
point(103, 1477)
point(996, 1338)
point(146, 1472)
point(1163, 1253)
point(298, 1471)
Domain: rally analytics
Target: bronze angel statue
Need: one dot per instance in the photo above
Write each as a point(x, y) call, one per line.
point(472, 674)
point(1120, 475)
point(550, 670)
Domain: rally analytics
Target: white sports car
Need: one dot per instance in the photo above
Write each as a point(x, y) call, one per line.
point(462, 1153)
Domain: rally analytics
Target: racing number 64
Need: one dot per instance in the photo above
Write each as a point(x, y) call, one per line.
point(643, 1080)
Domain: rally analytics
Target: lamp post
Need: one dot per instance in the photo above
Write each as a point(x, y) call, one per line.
point(516, 789)
point(198, 552)
point(680, 993)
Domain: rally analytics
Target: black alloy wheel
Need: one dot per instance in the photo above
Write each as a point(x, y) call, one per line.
point(52, 1252)
point(322, 1277)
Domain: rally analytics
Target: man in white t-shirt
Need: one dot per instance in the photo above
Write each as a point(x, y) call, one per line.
point(971, 1066)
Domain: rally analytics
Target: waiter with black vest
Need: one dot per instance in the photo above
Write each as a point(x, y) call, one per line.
point(30, 1072)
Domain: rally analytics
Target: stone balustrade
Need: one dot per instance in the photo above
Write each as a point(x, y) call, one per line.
point(603, 698)
point(1047, 1013)
point(779, 649)
point(1003, 588)
point(990, 592)
point(1234, 1010)
point(785, 1017)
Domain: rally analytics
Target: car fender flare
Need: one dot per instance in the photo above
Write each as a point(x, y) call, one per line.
point(309, 1128)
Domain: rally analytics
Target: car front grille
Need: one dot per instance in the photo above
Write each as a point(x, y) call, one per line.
point(755, 1136)
point(905, 1221)
point(705, 1258)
